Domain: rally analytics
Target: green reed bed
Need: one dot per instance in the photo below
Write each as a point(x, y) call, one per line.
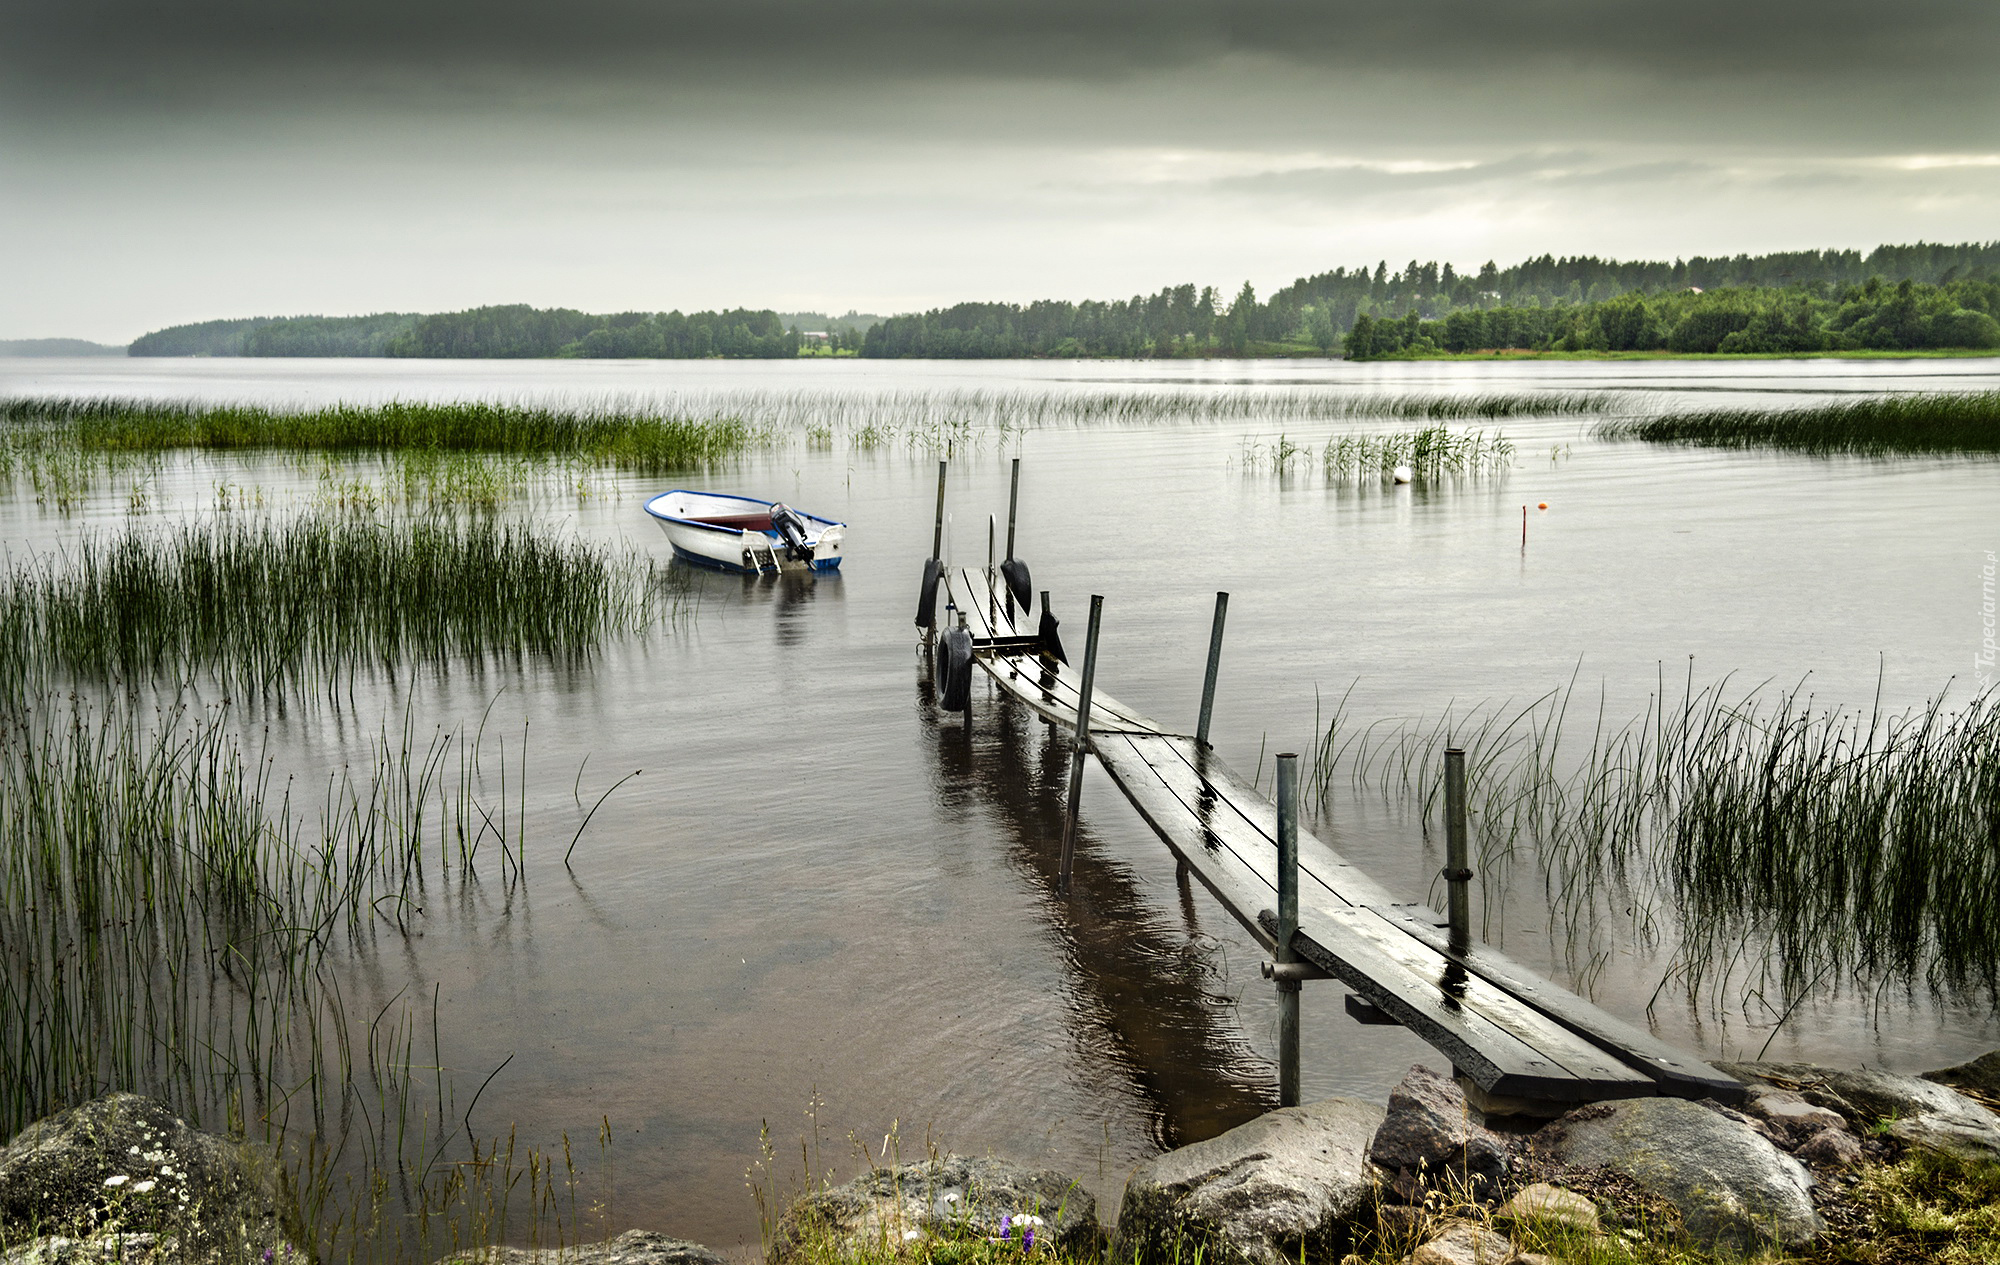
point(647, 442)
point(881, 418)
point(1962, 422)
point(177, 920)
point(1795, 845)
point(261, 604)
point(1431, 453)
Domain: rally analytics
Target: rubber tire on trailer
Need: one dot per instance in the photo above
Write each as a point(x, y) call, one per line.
point(927, 596)
point(955, 668)
point(1015, 572)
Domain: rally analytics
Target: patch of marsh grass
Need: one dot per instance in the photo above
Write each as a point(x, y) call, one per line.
point(644, 442)
point(1795, 845)
point(1915, 423)
point(261, 604)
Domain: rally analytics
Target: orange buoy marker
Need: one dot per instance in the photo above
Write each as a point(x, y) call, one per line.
point(1544, 505)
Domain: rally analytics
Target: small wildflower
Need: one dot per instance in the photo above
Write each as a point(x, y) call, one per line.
point(1006, 1226)
point(909, 1236)
point(1028, 1237)
point(117, 1179)
point(143, 1187)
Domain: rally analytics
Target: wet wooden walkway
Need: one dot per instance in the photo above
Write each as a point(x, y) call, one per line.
point(1512, 1033)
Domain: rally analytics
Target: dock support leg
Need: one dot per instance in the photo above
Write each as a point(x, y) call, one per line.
point(1082, 746)
point(1457, 873)
point(1288, 926)
point(937, 530)
point(1214, 665)
point(1013, 504)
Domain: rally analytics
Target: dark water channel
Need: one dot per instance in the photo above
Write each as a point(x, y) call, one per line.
point(819, 886)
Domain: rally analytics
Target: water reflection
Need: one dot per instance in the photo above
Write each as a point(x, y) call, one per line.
point(1144, 999)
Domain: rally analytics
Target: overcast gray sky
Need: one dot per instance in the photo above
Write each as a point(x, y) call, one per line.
point(166, 163)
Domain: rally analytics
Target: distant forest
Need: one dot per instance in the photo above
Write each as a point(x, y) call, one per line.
point(1893, 298)
point(515, 332)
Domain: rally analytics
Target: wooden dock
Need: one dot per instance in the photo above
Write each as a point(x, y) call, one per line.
point(1522, 1040)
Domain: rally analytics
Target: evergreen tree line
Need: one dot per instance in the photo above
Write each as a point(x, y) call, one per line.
point(1543, 302)
point(515, 331)
point(1905, 316)
point(1317, 313)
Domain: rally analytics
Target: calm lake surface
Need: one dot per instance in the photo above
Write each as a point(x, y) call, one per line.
point(820, 891)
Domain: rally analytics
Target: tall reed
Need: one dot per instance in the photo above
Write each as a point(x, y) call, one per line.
point(264, 604)
point(1918, 422)
point(1793, 844)
point(645, 442)
point(177, 920)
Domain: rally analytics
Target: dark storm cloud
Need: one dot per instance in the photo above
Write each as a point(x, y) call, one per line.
point(122, 47)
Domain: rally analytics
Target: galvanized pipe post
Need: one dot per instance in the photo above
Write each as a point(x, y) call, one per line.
point(1288, 926)
point(937, 532)
point(1214, 666)
point(1013, 504)
point(1457, 872)
point(1082, 746)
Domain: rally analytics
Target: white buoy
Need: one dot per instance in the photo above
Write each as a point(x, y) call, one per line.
point(1402, 474)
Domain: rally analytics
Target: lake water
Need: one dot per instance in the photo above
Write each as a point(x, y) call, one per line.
point(821, 888)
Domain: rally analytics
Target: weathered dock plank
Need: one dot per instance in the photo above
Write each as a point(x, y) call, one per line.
point(1513, 1033)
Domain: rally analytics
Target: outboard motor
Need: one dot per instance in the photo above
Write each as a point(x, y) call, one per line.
point(791, 528)
point(1015, 573)
point(1051, 642)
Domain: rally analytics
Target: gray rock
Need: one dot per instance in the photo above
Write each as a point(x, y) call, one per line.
point(1289, 1180)
point(1981, 1075)
point(1732, 1187)
point(140, 1248)
point(1429, 1133)
point(1918, 1112)
point(1551, 1205)
point(953, 1197)
point(1832, 1147)
point(1464, 1244)
point(1789, 1119)
point(634, 1247)
point(124, 1165)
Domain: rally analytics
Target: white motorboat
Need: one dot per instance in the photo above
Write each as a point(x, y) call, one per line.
point(742, 533)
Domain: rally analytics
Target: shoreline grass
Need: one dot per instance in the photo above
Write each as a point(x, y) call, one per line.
point(1920, 423)
point(177, 920)
point(1798, 847)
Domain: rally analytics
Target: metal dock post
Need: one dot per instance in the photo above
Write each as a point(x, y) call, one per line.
point(1457, 873)
point(1288, 926)
point(1214, 665)
point(1082, 746)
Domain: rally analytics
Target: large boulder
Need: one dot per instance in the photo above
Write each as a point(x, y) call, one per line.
point(1911, 1109)
point(125, 1166)
point(1733, 1188)
point(634, 1247)
point(1289, 1180)
point(1429, 1137)
point(950, 1198)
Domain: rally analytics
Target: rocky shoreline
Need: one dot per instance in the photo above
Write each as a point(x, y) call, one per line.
point(1428, 1179)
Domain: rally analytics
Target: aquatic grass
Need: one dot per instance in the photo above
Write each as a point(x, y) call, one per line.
point(1797, 846)
point(645, 442)
point(1914, 423)
point(1431, 453)
point(263, 604)
point(177, 920)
